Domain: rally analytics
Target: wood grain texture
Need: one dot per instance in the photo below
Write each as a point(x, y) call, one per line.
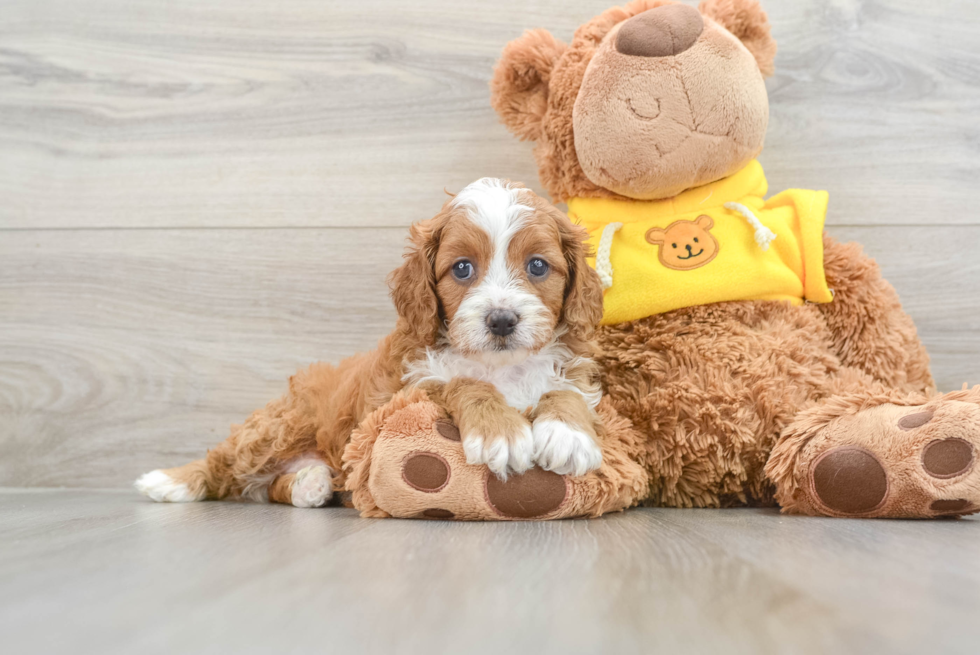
point(132, 345)
point(303, 112)
point(112, 573)
point(126, 350)
point(198, 198)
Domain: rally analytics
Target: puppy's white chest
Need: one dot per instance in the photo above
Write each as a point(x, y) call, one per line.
point(521, 384)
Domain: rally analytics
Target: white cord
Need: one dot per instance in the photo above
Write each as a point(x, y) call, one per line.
point(763, 235)
point(602, 264)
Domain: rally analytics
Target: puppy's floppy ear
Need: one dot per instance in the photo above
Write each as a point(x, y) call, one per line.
point(582, 310)
point(413, 284)
point(750, 25)
point(519, 88)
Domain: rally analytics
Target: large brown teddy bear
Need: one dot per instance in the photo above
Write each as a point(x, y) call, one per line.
point(658, 109)
point(747, 359)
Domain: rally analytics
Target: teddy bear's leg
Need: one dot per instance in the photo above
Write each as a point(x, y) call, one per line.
point(407, 460)
point(881, 453)
point(869, 329)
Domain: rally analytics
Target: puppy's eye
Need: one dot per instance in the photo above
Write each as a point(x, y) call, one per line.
point(462, 270)
point(537, 267)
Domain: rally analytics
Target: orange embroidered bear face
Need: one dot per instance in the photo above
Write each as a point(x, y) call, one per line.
point(685, 245)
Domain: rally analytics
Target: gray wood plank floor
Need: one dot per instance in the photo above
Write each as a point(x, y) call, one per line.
point(84, 571)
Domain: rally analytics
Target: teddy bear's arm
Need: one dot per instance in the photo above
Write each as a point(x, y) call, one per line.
point(492, 432)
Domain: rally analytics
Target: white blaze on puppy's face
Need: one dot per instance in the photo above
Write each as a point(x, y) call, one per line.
point(496, 252)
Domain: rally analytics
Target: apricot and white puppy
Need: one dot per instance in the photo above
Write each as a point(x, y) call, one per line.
point(519, 305)
point(496, 311)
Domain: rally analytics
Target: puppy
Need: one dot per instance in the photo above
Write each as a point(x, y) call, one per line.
point(497, 308)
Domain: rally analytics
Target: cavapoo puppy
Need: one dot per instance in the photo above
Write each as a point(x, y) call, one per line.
point(496, 307)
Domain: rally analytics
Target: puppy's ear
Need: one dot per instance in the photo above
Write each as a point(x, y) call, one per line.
point(519, 88)
point(750, 25)
point(413, 284)
point(582, 310)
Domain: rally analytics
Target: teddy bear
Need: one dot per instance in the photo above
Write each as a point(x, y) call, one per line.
point(746, 357)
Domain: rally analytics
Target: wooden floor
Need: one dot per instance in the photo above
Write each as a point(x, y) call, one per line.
point(197, 197)
point(106, 572)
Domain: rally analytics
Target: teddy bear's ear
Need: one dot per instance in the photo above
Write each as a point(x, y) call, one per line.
point(656, 235)
point(750, 25)
point(705, 222)
point(519, 88)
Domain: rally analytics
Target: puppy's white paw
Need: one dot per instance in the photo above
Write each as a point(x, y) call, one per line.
point(312, 486)
point(164, 489)
point(564, 449)
point(502, 455)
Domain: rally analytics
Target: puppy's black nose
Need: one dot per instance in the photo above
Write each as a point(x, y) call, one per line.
point(501, 322)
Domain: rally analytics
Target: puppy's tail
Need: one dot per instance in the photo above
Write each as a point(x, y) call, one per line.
point(184, 484)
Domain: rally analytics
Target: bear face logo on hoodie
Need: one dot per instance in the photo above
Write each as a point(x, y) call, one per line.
point(685, 245)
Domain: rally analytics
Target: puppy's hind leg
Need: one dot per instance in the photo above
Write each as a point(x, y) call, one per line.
point(183, 484)
point(216, 476)
point(244, 465)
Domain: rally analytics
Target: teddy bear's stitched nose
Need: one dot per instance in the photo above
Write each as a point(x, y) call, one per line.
point(660, 32)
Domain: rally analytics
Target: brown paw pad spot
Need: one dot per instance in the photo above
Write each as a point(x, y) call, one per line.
point(535, 493)
point(950, 506)
point(850, 480)
point(947, 458)
point(436, 513)
point(913, 421)
point(447, 429)
point(425, 471)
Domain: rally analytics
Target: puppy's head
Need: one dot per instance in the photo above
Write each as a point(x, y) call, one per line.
point(498, 270)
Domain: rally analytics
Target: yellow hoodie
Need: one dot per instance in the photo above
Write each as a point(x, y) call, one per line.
point(715, 243)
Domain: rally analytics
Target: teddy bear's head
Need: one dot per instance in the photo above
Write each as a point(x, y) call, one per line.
point(648, 100)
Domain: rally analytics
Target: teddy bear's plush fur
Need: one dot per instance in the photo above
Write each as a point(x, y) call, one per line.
point(825, 409)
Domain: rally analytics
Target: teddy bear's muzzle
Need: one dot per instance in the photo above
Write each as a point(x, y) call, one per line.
point(660, 32)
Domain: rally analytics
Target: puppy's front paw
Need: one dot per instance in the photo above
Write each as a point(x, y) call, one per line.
point(565, 449)
point(509, 452)
point(312, 486)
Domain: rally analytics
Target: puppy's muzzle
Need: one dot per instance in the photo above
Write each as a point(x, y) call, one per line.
point(501, 322)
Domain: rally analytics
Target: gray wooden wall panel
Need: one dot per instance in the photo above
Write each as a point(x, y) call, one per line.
point(128, 349)
point(199, 197)
point(228, 113)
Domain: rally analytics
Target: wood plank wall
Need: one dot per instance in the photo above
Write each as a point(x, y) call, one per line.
point(197, 197)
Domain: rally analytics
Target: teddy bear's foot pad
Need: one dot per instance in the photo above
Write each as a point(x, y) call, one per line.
point(897, 461)
point(535, 494)
point(418, 470)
